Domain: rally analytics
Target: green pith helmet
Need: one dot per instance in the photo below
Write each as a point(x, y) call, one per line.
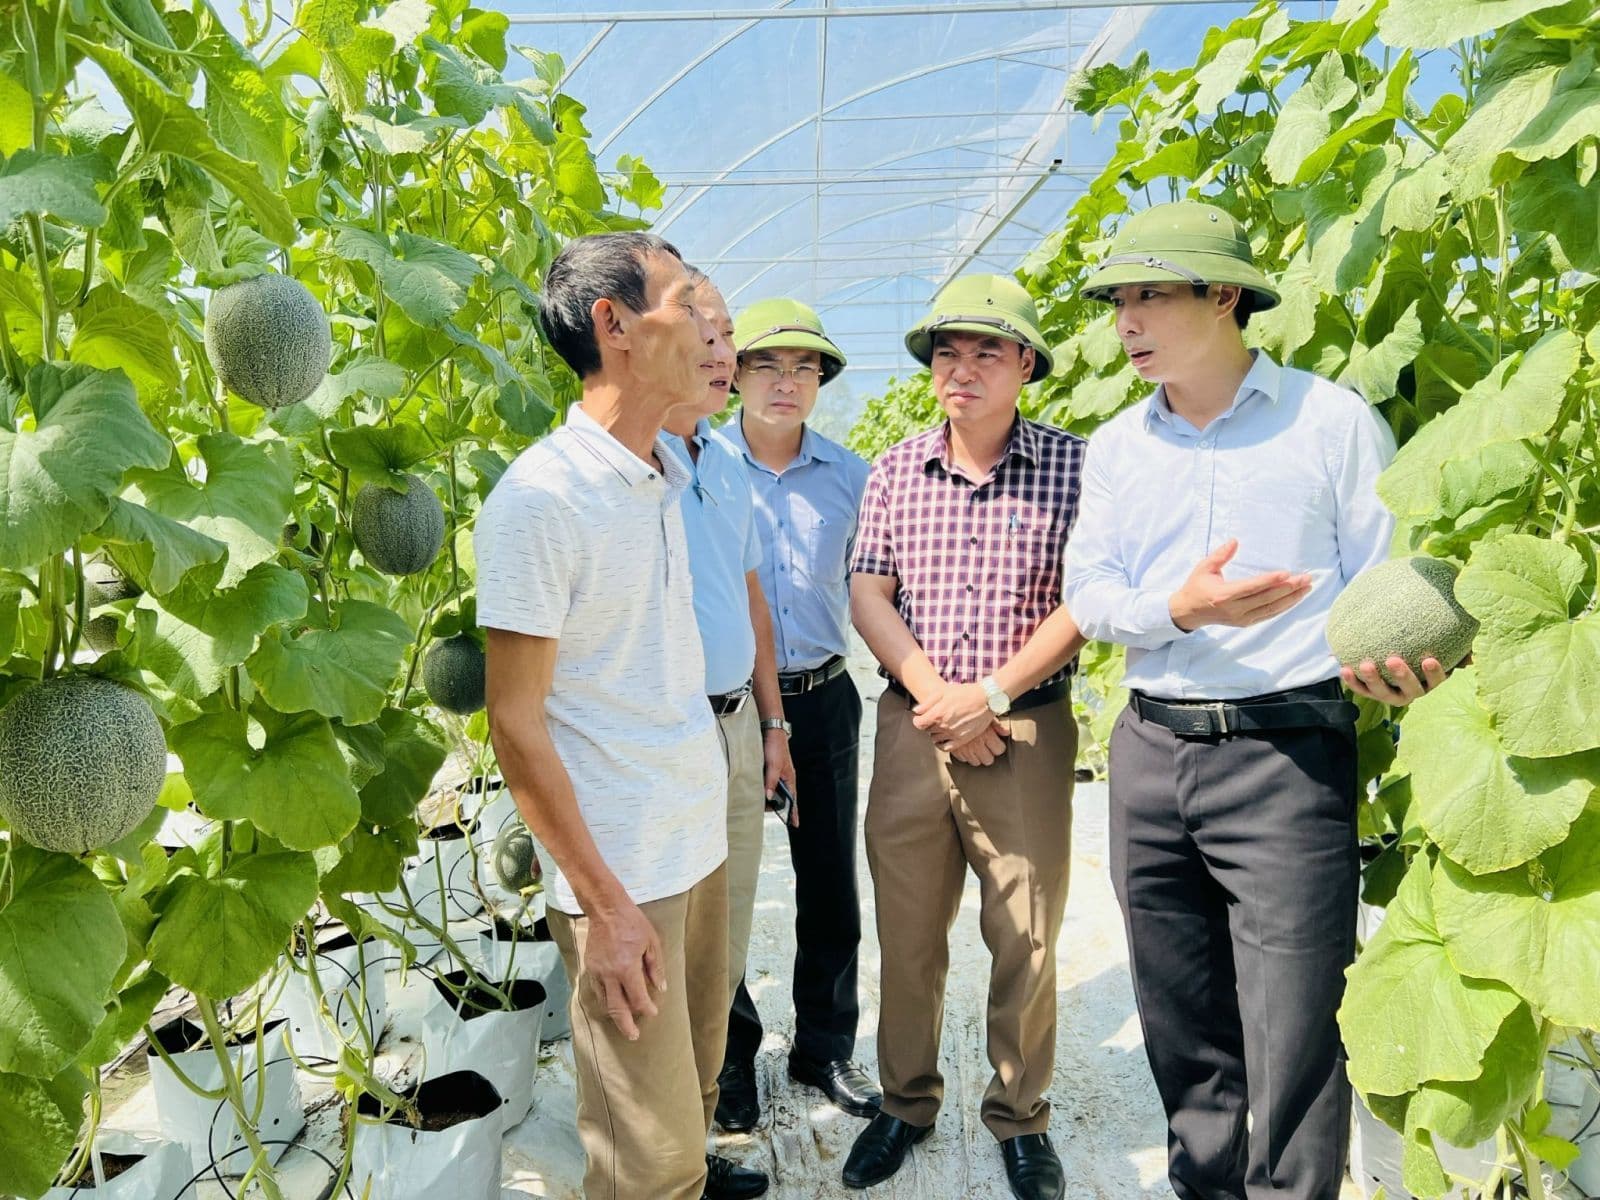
point(994, 304)
point(783, 324)
point(1184, 242)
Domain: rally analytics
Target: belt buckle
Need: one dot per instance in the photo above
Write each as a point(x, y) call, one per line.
point(1218, 710)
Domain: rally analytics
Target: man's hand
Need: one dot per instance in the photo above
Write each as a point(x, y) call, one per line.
point(1365, 680)
point(1206, 598)
point(622, 956)
point(955, 715)
point(775, 750)
point(982, 750)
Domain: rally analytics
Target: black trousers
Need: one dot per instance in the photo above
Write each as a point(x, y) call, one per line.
point(1234, 859)
point(826, 747)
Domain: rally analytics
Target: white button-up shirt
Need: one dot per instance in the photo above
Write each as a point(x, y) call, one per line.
point(583, 542)
point(1289, 469)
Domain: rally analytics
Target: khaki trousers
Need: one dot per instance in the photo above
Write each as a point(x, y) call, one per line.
point(928, 819)
point(747, 807)
point(644, 1107)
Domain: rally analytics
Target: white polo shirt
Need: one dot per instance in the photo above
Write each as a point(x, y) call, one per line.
point(582, 542)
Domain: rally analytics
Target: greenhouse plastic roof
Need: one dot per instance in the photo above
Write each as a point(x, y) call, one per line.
point(854, 155)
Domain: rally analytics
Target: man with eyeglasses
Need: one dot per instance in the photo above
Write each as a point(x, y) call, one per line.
point(807, 492)
point(956, 587)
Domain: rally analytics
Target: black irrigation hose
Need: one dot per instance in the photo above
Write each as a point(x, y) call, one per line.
point(214, 1166)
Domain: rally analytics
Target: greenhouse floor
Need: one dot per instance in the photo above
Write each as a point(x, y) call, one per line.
point(1107, 1123)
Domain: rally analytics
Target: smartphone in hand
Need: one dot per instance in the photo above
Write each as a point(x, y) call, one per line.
point(782, 802)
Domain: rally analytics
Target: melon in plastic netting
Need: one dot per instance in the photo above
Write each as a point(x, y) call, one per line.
point(400, 533)
point(453, 673)
point(516, 862)
point(268, 340)
point(1405, 607)
point(82, 761)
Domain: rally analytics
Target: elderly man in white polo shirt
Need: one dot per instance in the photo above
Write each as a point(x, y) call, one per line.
point(600, 720)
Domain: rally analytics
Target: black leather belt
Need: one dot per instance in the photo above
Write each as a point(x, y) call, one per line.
point(794, 683)
point(1320, 704)
point(1045, 693)
point(729, 703)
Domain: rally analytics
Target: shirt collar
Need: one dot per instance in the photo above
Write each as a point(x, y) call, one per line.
point(633, 470)
point(1265, 378)
point(1022, 442)
point(813, 446)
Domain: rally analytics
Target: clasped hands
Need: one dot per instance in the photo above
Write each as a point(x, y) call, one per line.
point(958, 719)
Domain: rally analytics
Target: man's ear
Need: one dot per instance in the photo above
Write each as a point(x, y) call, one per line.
point(609, 329)
point(1028, 357)
point(1227, 298)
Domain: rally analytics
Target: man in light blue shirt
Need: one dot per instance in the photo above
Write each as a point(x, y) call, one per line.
point(1233, 770)
point(807, 494)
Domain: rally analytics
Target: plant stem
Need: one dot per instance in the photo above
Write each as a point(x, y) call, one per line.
point(47, 292)
point(234, 1090)
point(78, 604)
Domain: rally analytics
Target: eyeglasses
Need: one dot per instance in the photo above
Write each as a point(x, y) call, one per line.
point(771, 372)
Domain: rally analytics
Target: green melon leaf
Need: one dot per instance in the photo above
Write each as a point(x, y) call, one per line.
point(157, 551)
point(380, 454)
point(1465, 1114)
point(294, 787)
point(218, 935)
point(243, 502)
point(343, 672)
point(167, 125)
point(1505, 407)
point(1532, 927)
point(57, 480)
point(39, 1122)
point(1538, 666)
point(200, 631)
point(427, 279)
point(413, 750)
point(371, 861)
point(1549, 197)
point(1374, 370)
point(1307, 118)
point(116, 331)
point(1488, 810)
point(1437, 24)
point(61, 944)
point(49, 185)
point(1408, 1015)
point(1571, 115)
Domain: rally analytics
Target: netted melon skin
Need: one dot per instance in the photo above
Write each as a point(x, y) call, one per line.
point(1405, 607)
point(400, 533)
point(268, 340)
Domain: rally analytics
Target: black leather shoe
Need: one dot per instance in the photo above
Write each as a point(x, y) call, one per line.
point(1032, 1167)
point(846, 1084)
point(738, 1110)
point(880, 1149)
point(727, 1180)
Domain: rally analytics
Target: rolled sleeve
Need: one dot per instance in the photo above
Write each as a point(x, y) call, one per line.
point(874, 542)
point(525, 556)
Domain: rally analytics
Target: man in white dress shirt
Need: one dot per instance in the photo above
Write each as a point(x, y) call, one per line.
point(1219, 521)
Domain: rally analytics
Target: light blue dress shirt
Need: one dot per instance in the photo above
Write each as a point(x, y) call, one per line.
point(806, 516)
point(1289, 470)
point(719, 520)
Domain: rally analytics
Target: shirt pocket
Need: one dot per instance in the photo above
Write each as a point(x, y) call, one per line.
point(1283, 523)
point(823, 541)
point(1030, 557)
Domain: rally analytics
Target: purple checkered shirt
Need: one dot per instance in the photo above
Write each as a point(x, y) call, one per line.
point(977, 563)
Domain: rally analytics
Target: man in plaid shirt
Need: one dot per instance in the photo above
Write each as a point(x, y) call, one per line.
point(956, 587)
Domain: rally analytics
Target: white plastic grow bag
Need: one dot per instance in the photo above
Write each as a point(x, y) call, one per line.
point(394, 1161)
point(445, 854)
point(207, 1129)
point(540, 960)
point(502, 1046)
point(351, 979)
point(161, 1173)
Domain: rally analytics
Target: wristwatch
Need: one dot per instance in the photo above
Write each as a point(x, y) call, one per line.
point(776, 723)
point(999, 702)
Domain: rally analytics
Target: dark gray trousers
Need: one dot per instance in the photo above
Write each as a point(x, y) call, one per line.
point(1234, 859)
